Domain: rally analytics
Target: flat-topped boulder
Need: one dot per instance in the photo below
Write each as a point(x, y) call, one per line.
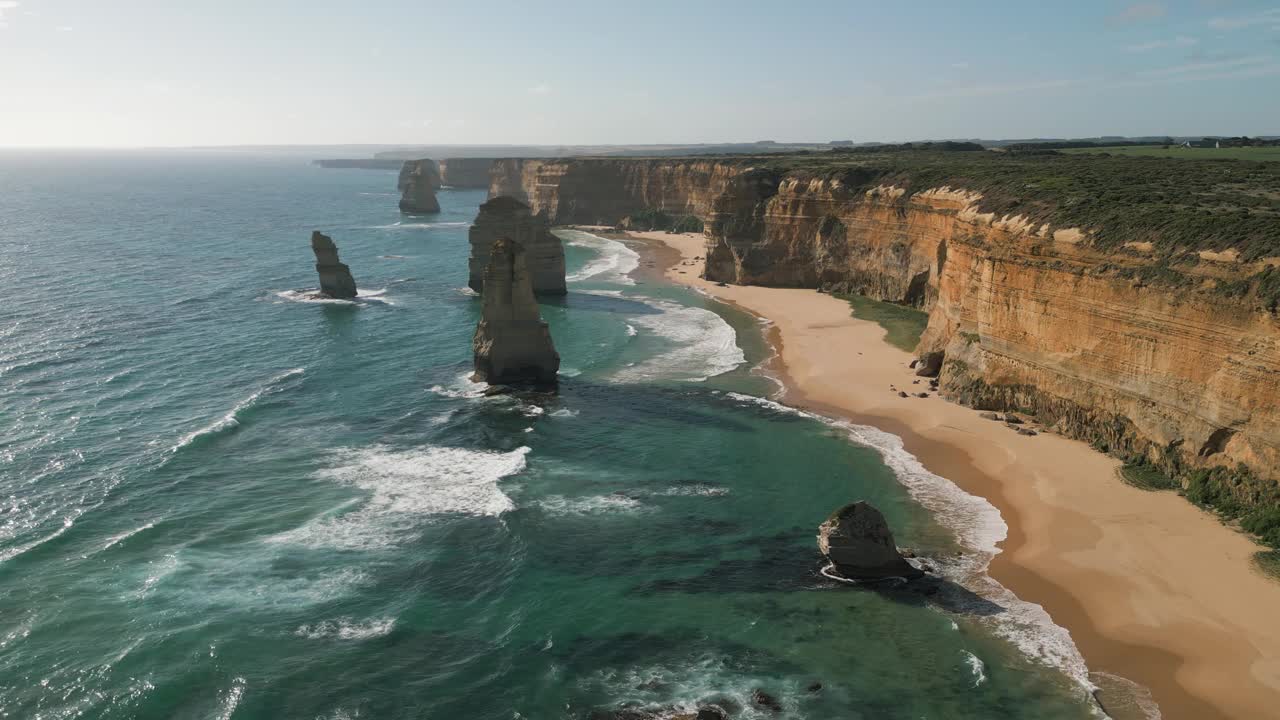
point(512, 345)
point(335, 276)
point(418, 182)
point(506, 217)
point(858, 542)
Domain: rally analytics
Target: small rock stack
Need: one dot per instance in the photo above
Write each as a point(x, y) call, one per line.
point(335, 276)
point(858, 542)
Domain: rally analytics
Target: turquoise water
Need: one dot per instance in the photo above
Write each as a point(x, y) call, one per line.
point(222, 501)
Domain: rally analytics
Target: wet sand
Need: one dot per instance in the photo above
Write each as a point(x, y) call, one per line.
point(1151, 588)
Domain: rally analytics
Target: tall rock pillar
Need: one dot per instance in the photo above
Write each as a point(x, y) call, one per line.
point(335, 276)
point(512, 345)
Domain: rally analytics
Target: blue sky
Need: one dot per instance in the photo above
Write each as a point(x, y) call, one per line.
point(181, 72)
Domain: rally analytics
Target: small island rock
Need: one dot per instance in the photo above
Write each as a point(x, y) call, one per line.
point(858, 542)
point(418, 182)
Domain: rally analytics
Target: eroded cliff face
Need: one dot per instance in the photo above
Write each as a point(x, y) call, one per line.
point(1029, 317)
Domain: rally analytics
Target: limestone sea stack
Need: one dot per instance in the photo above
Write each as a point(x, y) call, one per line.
point(858, 542)
point(506, 217)
point(418, 182)
point(335, 276)
point(512, 344)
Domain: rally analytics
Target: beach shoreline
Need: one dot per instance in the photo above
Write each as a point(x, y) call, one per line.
point(1152, 589)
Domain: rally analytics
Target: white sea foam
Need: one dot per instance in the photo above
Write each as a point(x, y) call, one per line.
point(704, 345)
point(468, 292)
point(694, 491)
point(347, 629)
point(417, 225)
point(564, 413)
point(403, 487)
point(678, 690)
point(590, 505)
point(631, 330)
point(313, 297)
point(67, 522)
point(112, 542)
point(979, 527)
point(232, 418)
point(463, 388)
point(977, 667)
point(614, 261)
point(231, 699)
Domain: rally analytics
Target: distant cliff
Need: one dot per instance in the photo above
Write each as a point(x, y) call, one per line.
point(465, 172)
point(1131, 306)
point(360, 163)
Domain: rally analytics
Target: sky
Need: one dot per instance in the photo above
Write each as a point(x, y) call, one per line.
point(131, 73)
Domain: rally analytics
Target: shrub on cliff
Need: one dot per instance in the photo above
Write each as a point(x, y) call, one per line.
point(649, 219)
point(687, 224)
point(1265, 524)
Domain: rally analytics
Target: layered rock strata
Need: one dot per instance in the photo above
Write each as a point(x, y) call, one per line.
point(858, 542)
point(418, 182)
point(335, 276)
point(506, 217)
point(1022, 315)
point(512, 345)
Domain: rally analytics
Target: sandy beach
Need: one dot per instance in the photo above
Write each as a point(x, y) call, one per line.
point(1151, 588)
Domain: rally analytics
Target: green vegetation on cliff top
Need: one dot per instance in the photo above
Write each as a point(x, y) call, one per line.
point(1180, 207)
point(1177, 206)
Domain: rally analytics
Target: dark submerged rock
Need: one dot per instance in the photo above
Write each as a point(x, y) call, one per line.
point(335, 277)
point(858, 542)
point(765, 700)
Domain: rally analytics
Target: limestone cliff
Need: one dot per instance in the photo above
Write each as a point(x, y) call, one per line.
point(512, 345)
point(335, 276)
point(505, 217)
point(1090, 336)
point(465, 172)
point(418, 182)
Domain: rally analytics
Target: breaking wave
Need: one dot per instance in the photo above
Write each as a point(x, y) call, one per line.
point(614, 261)
point(232, 419)
point(312, 297)
point(404, 487)
point(346, 629)
point(590, 505)
point(704, 345)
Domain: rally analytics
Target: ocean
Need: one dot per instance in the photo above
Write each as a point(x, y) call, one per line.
point(223, 500)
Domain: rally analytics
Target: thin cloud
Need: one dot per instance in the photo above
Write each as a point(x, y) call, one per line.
point(1181, 41)
point(1138, 12)
point(988, 90)
point(540, 89)
point(960, 65)
point(1204, 67)
point(1266, 17)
